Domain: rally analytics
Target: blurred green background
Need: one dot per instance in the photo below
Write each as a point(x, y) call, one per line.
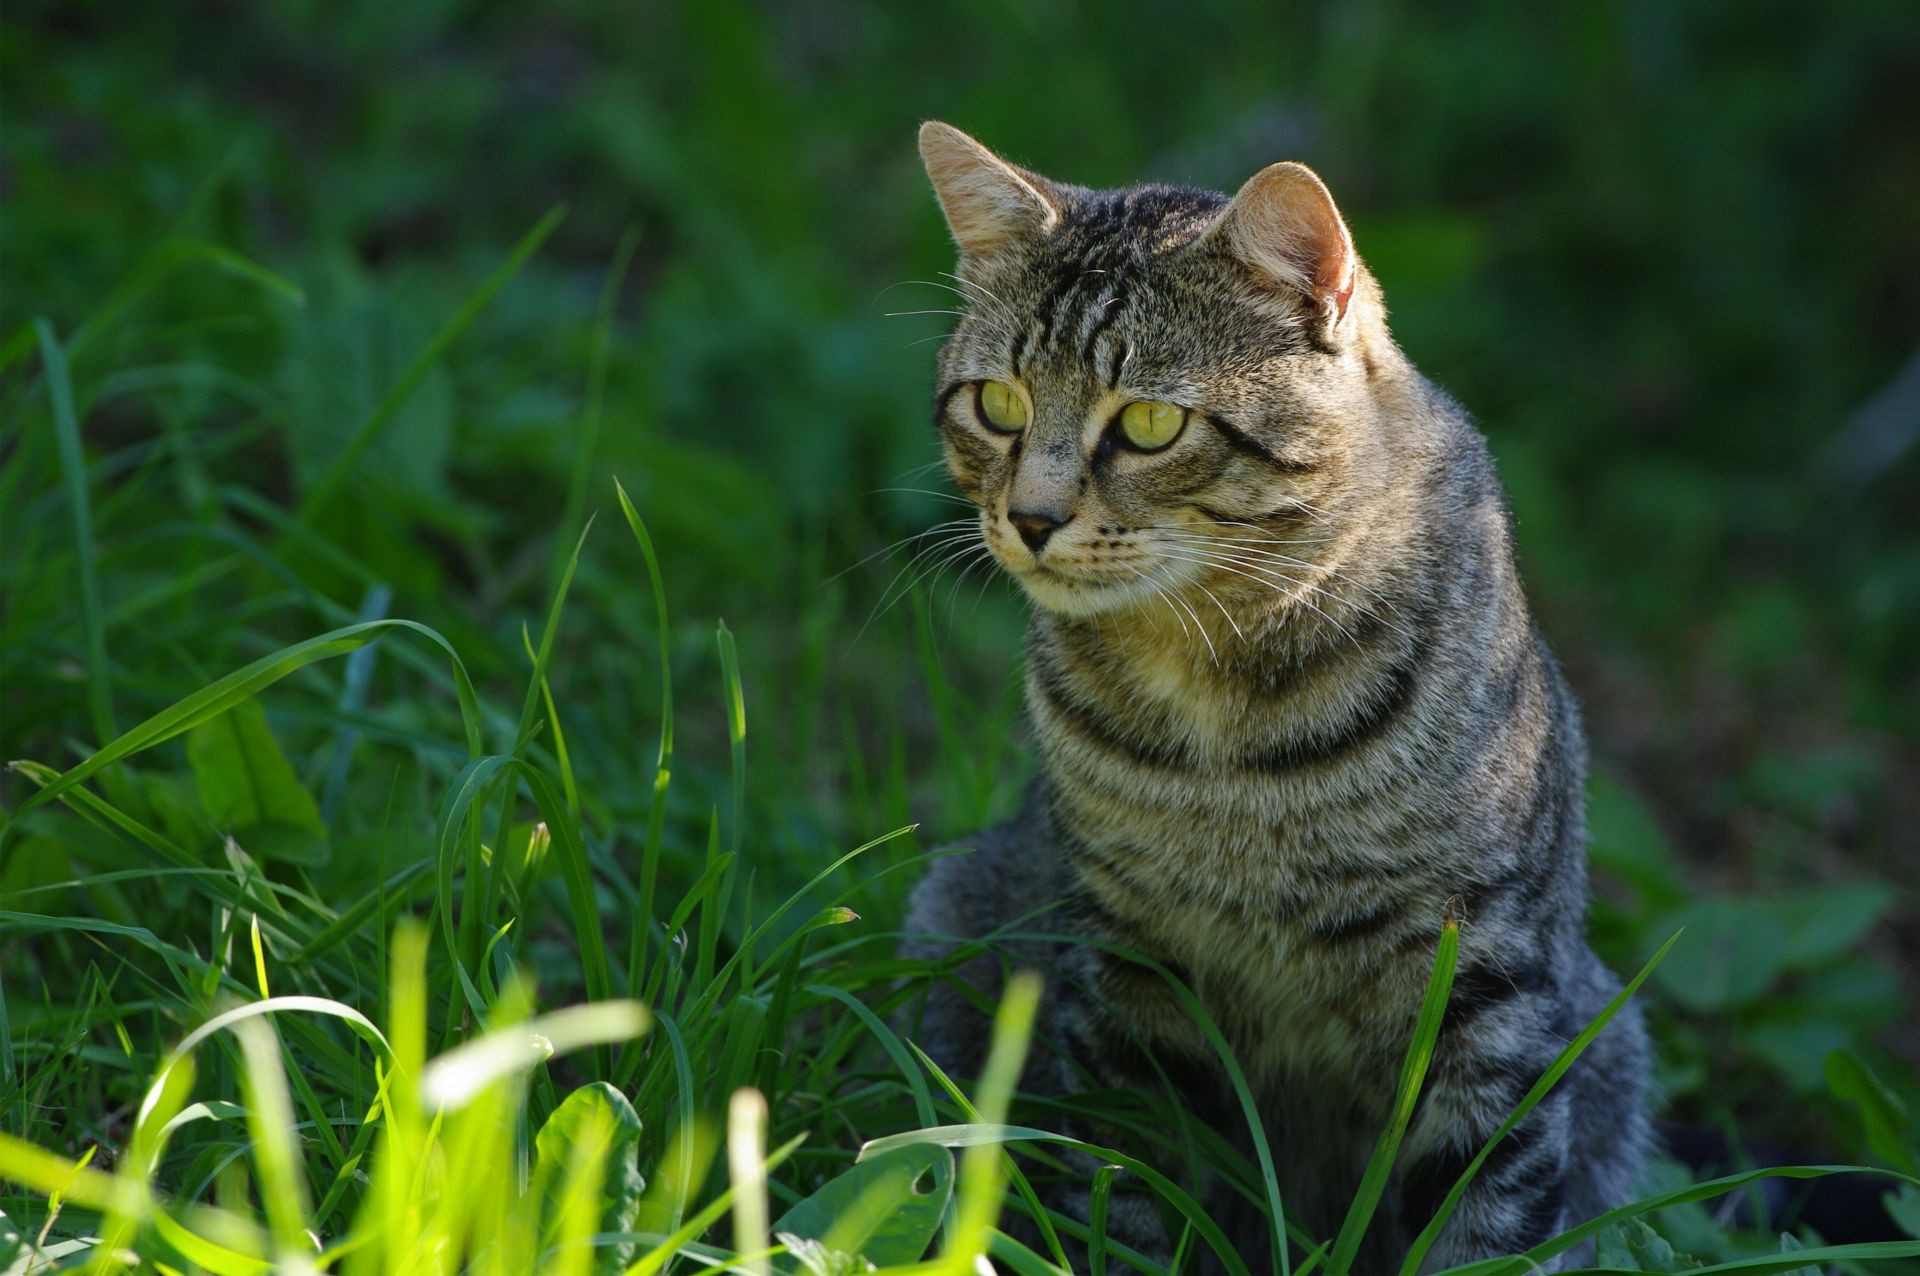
point(1667, 254)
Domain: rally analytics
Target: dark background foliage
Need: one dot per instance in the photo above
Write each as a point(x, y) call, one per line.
point(1667, 254)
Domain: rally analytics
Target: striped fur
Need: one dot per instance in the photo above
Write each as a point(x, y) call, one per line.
point(1292, 712)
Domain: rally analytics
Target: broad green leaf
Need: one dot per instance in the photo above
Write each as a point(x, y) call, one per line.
point(1884, 1116)
point(885, 1209)
point(1624, 840)
point(250, 789)
point(1738, 947)
point(1789, 1243)
point(1903, 1207)
point(1632, 1246)
point(1651, 1250)
point(1610, 1251)
point(621, 1185)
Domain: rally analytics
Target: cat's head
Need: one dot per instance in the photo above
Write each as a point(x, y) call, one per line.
point(1148, 383)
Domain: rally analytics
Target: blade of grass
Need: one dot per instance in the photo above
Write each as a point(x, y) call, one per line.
point(73, 464)
point(1426, 1031)
point(1281, 1255)
point(222, 694)
point(455, 827)
point(283, 1183)
point(895, 1048)
point(587, 437)
point(368, 431)
point(1531, 1261)
point(671, 1246)
point(663, 763)
point(1035, 1208)
point(1548, 1079)
point(713, 919)
point(455, 1077)
point(746, 1165)
point(982, 1181)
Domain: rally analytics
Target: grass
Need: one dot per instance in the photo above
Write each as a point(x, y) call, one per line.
point(366, 533)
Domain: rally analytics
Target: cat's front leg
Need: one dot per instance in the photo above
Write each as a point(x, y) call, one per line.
point(1519, 1196)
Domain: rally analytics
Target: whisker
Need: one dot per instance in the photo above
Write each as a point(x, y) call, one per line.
point(1194, 529)
point(999, 312)
point(1249, 553)
point(1161, 594)
point(1197, 624)
point(968, 283)
point(904, 541)
point(892, 596)
point(1268, 577)
point(1223, 611)
point(918, 470)
point(926, 491)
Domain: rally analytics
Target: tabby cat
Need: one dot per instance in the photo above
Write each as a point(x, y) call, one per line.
point(1292, 713)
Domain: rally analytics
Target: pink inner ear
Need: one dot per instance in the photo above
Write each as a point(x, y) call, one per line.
point(1342, 287)
point(1286, 223)
point(1330, 245)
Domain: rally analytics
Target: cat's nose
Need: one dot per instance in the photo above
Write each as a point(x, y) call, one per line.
point(1035, 526)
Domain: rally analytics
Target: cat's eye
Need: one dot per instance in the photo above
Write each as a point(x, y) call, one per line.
point(1001, 407)
point(1147, 426)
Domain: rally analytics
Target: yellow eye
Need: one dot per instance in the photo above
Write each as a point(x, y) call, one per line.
point(1149, 427)
point(1002, 407)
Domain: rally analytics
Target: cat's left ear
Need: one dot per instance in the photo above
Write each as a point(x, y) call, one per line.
point(1284, 224)
point(988, 202)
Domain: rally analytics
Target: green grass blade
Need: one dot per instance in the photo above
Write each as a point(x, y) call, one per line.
point(458, 1076)
point(663, 761)
point(891, 1043)
point(1531, 1261)
point(713, 919)
point(1035, 1208)
point(530, 707)
point(465, 798)
point(73, 464)
point(587, 438)
point(369, 430)
point(715, 985)
point(217, 697)
point(571, 849)
point(283, 1182)
point(1426, 1031)
point(1547, 1081)
point(982, 1181)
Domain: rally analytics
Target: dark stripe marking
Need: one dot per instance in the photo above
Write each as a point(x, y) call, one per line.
point(1358, 926)
point(1368, 721)
point(1111, 311)
point(945, 397)
point(1480, 988)
point(1241, 441)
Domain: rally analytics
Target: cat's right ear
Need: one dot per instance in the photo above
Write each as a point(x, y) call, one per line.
point(1284, 224)
point(988, 202)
